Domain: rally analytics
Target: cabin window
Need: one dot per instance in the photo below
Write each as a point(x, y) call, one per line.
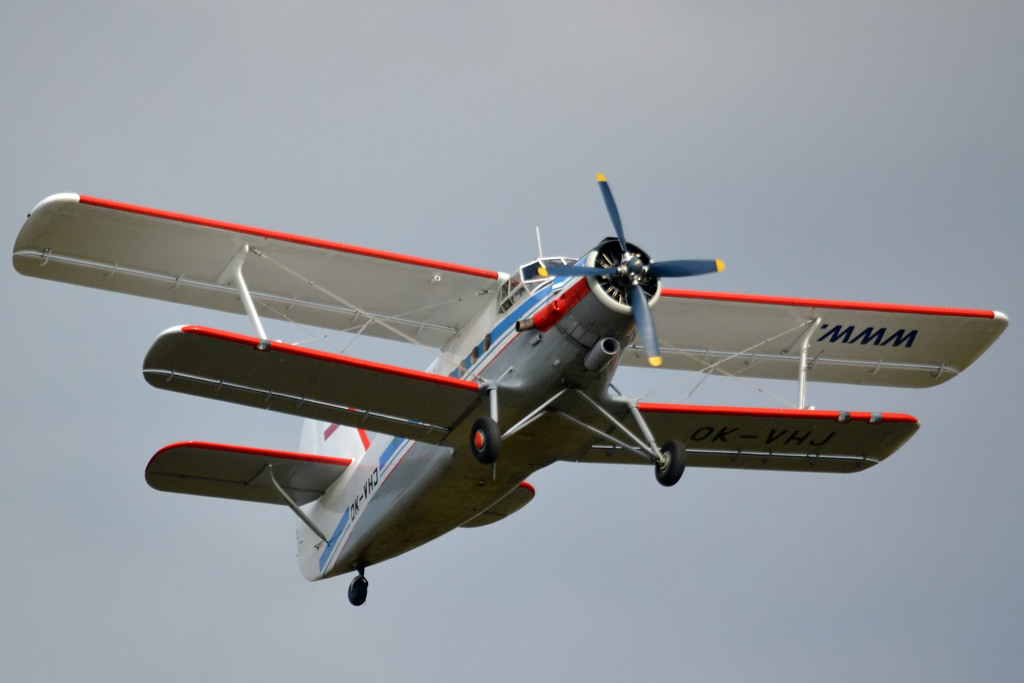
point(510, 291)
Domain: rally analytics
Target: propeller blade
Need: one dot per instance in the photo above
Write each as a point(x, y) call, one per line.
point(645, 324)
point(613, 210)
point(556, 270)
point(684, 267)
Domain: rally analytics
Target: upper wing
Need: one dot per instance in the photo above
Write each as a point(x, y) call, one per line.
point(857, 343)
point(222, 471)
point(132, 249)
point(315, 384)
point(770, 439)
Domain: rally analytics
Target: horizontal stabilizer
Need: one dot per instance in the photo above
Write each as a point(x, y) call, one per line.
point(516, 500)
point(221, 471)
point(847, 342)
point(315, 384)
point(186, 259)
point(770, 439)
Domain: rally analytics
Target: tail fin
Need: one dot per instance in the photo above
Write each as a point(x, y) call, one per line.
point(331, 440)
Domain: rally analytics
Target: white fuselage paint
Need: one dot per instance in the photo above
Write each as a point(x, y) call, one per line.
point(399, 493)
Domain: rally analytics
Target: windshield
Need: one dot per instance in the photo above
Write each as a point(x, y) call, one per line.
point(527, 279)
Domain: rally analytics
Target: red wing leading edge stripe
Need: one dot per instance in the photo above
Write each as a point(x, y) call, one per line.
point(726, 411)
point(825, 303)
point(284, 455)
point(334, 358)
point(284, 237)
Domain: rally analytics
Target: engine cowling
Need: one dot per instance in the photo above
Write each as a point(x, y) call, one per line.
point(625, 280)
point(613, 290)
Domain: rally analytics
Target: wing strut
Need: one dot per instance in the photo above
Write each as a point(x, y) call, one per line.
point(532, 417)
point(805, 339)
point(291, 503)
point(233, 275)
point(650, 449)
point(606, 437)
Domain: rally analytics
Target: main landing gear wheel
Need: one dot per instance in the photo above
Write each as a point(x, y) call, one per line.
point(357, 589)
point(669, 472)
point(485, 440)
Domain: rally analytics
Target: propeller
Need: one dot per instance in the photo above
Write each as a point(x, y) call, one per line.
point(631, 276)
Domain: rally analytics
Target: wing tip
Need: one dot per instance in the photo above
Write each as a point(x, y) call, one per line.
point(58, 198)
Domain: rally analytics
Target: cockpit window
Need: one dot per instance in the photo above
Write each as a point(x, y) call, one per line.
point(531, 271)
point(526, 280)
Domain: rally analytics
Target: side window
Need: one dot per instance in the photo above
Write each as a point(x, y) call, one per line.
point(510, 291)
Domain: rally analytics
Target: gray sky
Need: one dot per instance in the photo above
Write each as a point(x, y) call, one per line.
point(869, 151)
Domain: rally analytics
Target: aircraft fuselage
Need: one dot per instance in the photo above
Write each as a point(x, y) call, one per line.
point(402, 493)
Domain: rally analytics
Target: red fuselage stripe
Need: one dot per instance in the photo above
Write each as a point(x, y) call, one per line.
point(363, 436)
point(285, 237)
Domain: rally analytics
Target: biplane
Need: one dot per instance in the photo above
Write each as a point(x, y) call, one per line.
point(391, 458)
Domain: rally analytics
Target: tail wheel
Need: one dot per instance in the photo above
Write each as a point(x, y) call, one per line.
point(357, 590)
point(485, 440)
point(670, 471)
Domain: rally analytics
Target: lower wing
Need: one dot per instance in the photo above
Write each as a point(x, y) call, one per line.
point(765, 439)
point(322, 386)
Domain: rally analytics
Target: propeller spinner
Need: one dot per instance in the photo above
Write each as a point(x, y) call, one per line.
point(633, 278)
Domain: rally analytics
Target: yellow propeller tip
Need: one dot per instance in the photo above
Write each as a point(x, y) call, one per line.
point(721, 265)
point(601, 178)
point(655, 361)
point(543, 271)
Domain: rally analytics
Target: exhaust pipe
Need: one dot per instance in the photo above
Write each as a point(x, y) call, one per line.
point(602, 353)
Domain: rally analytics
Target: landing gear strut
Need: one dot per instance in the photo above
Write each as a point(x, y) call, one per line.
point(485, 440)
point(671, 468)
point(357, 589)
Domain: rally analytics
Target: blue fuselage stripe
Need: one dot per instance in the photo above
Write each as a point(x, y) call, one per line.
point(391, 449)
point(537, 299)
point(329, 550)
